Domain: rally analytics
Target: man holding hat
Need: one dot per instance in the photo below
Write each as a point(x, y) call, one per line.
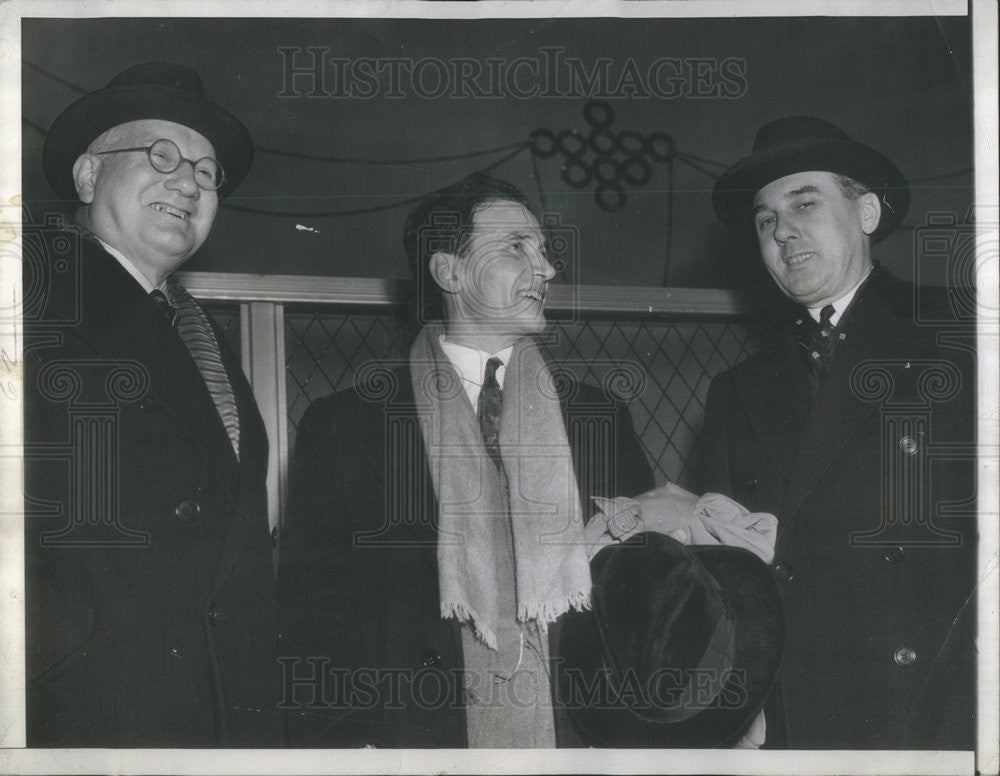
point(426, 571)
point(855, 428)
point(149, 602)
point(435, 583)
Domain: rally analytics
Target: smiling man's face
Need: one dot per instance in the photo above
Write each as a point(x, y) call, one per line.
point(813, 238)
point(158, 220)
point(503, 275)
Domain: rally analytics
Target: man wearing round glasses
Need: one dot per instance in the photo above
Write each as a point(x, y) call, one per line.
point(149, 601)
point(149, 201)
point(165, 156)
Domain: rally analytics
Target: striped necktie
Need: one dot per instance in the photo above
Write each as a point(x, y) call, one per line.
point(196, 332)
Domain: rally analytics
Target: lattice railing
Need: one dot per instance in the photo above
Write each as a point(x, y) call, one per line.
point(676, 361)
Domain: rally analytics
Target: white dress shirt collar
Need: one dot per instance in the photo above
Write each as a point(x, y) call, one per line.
point(470, 364)
point(841, 304)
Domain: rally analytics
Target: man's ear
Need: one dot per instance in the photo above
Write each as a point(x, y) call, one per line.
point(444, 270)
point(86, 170)
point(870, 210)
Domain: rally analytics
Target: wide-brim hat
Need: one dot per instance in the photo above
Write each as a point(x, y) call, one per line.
point(680, 650)
point(151, 90)
point(801, 144)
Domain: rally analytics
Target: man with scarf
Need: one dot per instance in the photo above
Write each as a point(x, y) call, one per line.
point(435, 533)
point(856, 428)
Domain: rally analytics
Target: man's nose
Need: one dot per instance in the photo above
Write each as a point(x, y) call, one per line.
point(785, 229)
point(182, 180)
point(545, 269)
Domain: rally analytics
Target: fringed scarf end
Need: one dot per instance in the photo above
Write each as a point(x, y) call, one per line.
point(545, 612)
point(462, 613)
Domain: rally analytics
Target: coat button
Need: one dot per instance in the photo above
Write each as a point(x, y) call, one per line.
point(187, 510)
point(894, 554)
point(175, 653)
point(750, 484)
point(147, 405)
point(784, 572)
point(214, 617)
point(274, 537)
point(431, 659)
point(908, 445)
point(905, 656)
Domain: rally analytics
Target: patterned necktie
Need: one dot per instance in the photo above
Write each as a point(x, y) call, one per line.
point(164, 306)
point(196, 332)
point(488, 409)
point(817, 342)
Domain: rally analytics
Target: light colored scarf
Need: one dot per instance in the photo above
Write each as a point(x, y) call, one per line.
point(543, 509)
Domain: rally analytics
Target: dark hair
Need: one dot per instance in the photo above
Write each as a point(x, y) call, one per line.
point(442, 222)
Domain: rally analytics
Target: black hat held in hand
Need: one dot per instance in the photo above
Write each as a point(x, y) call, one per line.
point(680, 650)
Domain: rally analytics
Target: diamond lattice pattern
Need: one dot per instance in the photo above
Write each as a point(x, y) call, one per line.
point(664, 366)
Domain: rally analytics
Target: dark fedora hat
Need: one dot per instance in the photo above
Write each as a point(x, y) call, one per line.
point(800, 144)
point(680, 649)
point(151, 90)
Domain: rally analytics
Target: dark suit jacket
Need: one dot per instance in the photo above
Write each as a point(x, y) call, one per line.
point(873, 485)
point(149, 590)
point(358, 580)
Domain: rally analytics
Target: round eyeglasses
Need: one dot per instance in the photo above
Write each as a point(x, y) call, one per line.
point(165, 156)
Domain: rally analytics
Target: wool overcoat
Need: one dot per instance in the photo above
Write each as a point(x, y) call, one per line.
point(369, 661)
point(149, 587)
point(872, 479)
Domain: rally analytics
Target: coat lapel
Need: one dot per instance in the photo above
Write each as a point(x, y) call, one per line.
point(837, 412)
point(835, 416)
point(123, 323)
point(130, 326)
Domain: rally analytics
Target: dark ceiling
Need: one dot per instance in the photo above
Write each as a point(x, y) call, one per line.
point(902, 85)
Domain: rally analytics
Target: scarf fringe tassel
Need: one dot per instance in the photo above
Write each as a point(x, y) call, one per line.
point(463, 613)
point(542, 613)
point(549, 611)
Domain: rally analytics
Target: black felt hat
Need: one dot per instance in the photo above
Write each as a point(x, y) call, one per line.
point(680, 649)
point(151, 90)
point(801, 144)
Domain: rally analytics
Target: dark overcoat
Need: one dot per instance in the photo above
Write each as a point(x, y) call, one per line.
point(369, 661)
point(872, 481)
point(149, 584)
